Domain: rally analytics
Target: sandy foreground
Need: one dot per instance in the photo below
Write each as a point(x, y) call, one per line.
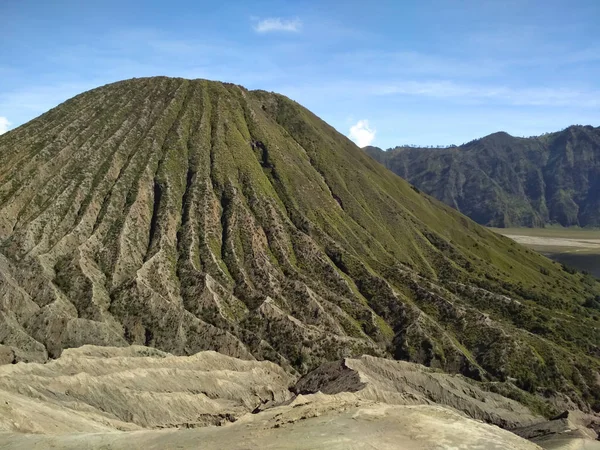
point(141, 398)
point(311, 422)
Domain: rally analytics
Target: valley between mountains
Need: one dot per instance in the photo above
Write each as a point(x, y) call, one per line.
point(165, 219)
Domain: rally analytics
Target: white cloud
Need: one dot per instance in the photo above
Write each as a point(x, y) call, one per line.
point(361, 133)
point(278, 24)
point(4, 125)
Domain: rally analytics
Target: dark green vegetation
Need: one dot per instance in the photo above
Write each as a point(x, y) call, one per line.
point(190, 215)
point(504, 181)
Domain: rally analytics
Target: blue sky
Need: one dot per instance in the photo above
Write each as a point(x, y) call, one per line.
point(383, 72)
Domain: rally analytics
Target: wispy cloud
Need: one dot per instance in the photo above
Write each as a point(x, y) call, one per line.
point(274, 24)
point(361, 133)
point(498, 94)
point(382, 62)
point(4, 125)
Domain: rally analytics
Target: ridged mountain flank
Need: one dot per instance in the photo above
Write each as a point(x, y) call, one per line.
point(506, 181)
point(188, 215)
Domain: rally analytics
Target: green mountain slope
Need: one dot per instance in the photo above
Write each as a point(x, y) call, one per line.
point(504, 181)
point(188, 215)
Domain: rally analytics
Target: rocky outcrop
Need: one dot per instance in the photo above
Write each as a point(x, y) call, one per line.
point(402, 383)
point(571, 427)
point(92, 389)
point(142, 398)
point(141, 387)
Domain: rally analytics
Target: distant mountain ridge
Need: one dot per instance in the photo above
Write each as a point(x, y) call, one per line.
point(505, 181)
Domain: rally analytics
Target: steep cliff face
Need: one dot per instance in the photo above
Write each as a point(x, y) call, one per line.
point(504, 181)
point(188, 215)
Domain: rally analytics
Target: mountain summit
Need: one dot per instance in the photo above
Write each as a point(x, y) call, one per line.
point(188, 215)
